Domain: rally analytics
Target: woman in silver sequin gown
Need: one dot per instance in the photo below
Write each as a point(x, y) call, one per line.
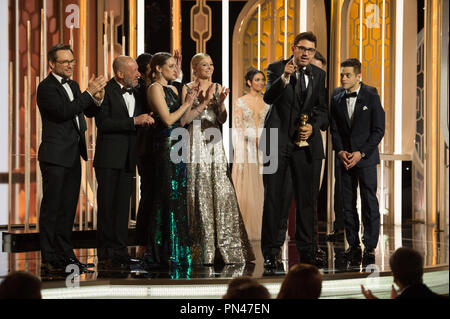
point(216, 228)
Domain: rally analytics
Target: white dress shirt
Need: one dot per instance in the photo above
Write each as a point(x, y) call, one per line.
point(66, 87)
point(129, 101)
point(351, 101)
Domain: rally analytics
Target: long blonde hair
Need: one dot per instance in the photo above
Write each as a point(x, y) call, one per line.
point(195, 61)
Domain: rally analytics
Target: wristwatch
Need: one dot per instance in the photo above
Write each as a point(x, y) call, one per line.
point(363, 155)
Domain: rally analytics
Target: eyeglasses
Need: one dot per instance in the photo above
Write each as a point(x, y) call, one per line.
point(307, 50)
point(67, 62)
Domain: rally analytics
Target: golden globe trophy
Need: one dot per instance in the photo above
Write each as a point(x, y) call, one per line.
point(298, 141)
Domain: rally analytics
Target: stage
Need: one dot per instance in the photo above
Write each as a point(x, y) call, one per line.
point(340, 280)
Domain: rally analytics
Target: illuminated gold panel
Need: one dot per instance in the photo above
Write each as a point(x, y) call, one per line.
point(200, 25)
point(133, 23)
point(369, 50)
point(277, 29)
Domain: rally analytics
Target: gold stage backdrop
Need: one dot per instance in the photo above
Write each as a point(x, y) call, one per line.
point(372, 30)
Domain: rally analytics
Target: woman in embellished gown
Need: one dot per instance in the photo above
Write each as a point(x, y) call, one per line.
point(249, 112)
point(215, 223)
point(168, 241)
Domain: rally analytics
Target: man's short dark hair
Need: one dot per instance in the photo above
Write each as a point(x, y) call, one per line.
point(352, 62)
point(51, 55)
point(143, 60)
point(407, 266)
point(305, 36)
point(318, 56)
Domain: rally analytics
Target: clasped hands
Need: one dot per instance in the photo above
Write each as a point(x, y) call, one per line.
point(144, 119)
point(349, 159)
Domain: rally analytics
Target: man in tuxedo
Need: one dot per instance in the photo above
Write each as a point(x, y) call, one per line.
point(357, 127)
point(294, 87)
point(407, 269)
point(62, 107)
point(122, 111)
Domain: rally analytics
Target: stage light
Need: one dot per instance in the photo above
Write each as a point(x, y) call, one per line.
point(379, 283)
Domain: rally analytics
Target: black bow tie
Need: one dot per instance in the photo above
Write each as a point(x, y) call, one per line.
point(353, 94)
point(129, 90)
point(64, 81)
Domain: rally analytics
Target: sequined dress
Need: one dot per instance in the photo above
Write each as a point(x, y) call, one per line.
point(216, 228)
point(168, 241)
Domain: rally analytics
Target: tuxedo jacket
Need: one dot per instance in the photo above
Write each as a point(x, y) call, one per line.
point(116, 132)
point(419, 291)
point(366, 130)
point(286, 107)
point(62, 140)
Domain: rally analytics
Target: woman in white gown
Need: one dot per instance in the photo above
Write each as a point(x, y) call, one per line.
point(249, 112)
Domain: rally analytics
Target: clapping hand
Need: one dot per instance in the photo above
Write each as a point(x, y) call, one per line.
point(206, 97)
point(96, 84)
point(367, 293)
point(394, 293)
point(223, 95)
point(192, 93)
point(178, 58)
point(99, 95)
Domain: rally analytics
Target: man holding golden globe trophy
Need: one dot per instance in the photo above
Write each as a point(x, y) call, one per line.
point(296, 93)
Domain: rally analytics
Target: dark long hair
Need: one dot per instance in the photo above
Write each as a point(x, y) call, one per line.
point(158, 59)
point(251, 74)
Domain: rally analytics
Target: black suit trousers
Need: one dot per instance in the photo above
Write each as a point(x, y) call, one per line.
point(339, 222)
point(295, 168)
point(366, 178)
point(113, 199)
point(61, 187)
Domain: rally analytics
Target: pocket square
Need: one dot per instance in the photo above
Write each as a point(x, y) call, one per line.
point(365, 108)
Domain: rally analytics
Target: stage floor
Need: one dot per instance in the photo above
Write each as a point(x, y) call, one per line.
point(213, 280)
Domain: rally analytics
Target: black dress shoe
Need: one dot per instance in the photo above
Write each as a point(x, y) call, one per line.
point(368, 257)
point(336, 236)
point(320, 259)
point(313, 259)
point(270, 262)
point(127, 260)
point(321, 254)
point(354, 254)
point(273, 266)
point(75, 261)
